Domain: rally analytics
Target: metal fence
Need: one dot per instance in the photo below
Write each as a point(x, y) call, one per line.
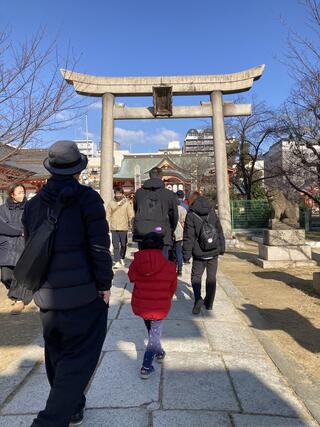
point(249, 214)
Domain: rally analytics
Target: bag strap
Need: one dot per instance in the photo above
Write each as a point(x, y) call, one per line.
point(54, 213)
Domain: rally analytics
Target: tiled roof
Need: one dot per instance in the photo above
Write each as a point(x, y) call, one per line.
point(26, 159)
point(147, 162)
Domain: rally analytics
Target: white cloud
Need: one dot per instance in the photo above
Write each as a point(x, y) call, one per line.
point(65, 116)
point(160, 136)
point(97, 105)
point(163, 136)
point(127, 135)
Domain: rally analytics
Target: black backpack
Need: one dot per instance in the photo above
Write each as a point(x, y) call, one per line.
point(150, 215)
point(208, 237)
point(34, 261)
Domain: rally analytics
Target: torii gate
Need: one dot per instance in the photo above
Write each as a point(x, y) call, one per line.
point(162, 89)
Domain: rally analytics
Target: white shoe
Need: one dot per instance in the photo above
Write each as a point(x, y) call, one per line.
point(117, 264)
point(122, 262)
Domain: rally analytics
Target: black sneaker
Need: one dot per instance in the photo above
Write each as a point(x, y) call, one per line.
point(77, 418)
point(197, 306)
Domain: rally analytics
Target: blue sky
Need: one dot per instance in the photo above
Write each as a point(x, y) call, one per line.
point(177, 37)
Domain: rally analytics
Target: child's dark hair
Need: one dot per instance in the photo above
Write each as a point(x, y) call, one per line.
point(152, 241)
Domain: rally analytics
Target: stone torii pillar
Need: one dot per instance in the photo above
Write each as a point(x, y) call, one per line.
point(213, 85)
point(220, 159)
point(107, 147)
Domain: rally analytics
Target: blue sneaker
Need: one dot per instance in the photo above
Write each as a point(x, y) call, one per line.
point(160, 356)
point(145, 373)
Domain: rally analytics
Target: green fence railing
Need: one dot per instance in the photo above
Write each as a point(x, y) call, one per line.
point(250, 213)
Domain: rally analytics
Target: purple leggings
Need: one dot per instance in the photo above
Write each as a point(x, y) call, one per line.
point(154, 345)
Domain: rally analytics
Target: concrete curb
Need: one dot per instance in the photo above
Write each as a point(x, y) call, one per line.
point(304, 386)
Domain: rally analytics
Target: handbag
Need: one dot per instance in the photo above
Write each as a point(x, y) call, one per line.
point(32, 266)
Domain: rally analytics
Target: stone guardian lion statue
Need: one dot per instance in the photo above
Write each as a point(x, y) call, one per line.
point(285, 213)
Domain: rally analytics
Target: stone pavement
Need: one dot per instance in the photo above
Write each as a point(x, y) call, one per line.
point(216, 373)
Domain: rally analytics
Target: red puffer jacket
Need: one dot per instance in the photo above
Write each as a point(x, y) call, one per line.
point(155, 282)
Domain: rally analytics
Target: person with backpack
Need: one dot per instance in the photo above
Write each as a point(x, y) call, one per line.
point(155, 282)
point(74, 293)
point(178, 234)
point(119, 215)
point(155, 210)
point(12, 245)
point(203, 240)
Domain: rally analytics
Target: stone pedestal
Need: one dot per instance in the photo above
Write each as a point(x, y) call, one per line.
point(283, 249)
point(316, 282)
point(284, 237)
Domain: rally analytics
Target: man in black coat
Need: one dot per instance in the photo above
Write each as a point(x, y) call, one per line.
point(74, 296)
point(201, 210)
point(156, 210)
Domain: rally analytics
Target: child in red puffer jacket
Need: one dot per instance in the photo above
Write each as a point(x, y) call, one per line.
point(155, 282)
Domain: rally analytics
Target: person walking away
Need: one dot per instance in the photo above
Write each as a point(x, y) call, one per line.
point(182, 200)
point(155, 210)
point(73, 298)
point(178, 234)
point(12, 245)
point(155, 282)
point(120, 215)
point(203, 240)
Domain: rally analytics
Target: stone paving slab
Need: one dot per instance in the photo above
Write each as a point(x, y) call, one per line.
point(113, 310)
point(190, 419)
point(269, 421)
point(10, 381)
point(116, 418)
point(16, 420)
point(222, 311)
point(93, 418)
point(228, 337)
point(30, 398)
point(178, 335)
point(120, 278)
point(258, 377)
point(117, 383)
point(180, 310)
point(126, 335)
point(193, 381)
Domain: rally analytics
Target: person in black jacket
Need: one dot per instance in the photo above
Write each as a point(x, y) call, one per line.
point(12, 245)
point(201, 210)
point(156, 210)
point(74, 296)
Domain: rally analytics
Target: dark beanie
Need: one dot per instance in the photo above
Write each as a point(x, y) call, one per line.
point(152, 241)
point(180, 194)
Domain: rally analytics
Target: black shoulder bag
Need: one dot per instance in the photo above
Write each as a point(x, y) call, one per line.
point(34, 261)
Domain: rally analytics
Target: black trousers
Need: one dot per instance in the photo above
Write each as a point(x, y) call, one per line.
point(16, 291)
point(198, 268)
point(119, 242)
point(73, 343)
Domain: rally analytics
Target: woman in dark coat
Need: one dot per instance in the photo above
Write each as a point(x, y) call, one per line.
point(12, 244)
point(200, 211)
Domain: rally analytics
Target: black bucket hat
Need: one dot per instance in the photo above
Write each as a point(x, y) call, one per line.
point(65, 159)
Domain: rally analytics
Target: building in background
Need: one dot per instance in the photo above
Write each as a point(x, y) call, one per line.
point(173, 148)
point(87, 147)
point(294, 159)
point(199, 141)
